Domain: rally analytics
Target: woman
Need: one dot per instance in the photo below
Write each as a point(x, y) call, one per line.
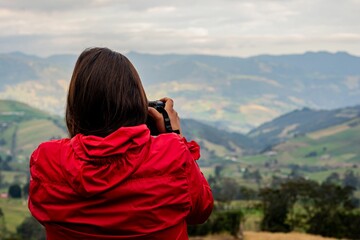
point(111, 179)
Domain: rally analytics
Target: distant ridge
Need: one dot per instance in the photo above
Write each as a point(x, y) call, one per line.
point(10, 106)
point(300, 122)
point(23, 127)
point(232, 93)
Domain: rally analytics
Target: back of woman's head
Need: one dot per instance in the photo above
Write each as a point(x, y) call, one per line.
point(105, 93)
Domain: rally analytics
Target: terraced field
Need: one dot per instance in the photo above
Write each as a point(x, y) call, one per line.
point(22, 128)
point(31, 133)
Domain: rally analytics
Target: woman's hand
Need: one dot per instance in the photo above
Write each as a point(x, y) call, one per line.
point(159, 119)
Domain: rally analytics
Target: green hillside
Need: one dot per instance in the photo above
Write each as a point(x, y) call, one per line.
point(326, 141)
point(314, 155)
point(11, 111)
point(22, 128)
point(300, 122)
point(217, 145)
point(324, 148)
point(336, 146)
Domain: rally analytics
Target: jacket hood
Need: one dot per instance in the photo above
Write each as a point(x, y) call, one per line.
point(97, 164)
point(92, 148)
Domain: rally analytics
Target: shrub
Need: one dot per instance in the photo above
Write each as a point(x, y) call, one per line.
point(222, 221)
point(31, 229)
point(15, 191)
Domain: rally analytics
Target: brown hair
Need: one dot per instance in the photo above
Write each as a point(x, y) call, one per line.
point(105, 93)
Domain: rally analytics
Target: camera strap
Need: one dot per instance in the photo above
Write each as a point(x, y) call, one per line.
point(166, 117)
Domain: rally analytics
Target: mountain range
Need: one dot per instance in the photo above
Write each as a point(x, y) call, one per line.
point(238, 109)
point(231, 93)
point(258, 120)
point(305, 133)
point(299, 123)
point(23, 128)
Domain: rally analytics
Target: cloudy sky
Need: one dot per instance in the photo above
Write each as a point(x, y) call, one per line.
point(216, 27)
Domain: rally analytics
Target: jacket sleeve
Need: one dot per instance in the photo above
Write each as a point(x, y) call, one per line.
point(47, 193)
point(36, 192)
point(202, 201)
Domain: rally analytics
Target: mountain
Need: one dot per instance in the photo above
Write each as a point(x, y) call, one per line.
point(23, 128)
point(300, 122)
point(242, 93)
point(40, 82)
point(231, 93)
point(328, 152)
point(216, 144)
point(336, 145)
point(315, 144)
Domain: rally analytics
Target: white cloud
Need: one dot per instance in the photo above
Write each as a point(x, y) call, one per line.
point(162, 9)
point(225, 27)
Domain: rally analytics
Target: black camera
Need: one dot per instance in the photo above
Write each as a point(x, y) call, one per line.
point(150, 122)
point(160, 107)
point(157, 104)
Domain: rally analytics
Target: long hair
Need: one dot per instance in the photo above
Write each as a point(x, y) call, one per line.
point(105, 93)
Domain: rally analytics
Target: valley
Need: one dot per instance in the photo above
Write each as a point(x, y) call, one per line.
point(260, 121)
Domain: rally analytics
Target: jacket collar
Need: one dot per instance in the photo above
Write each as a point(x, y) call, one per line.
point(117, 143)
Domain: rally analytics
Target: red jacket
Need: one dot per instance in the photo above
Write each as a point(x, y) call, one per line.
point(128, 185)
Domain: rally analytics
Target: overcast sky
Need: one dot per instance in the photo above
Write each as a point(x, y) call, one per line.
point(216, 27)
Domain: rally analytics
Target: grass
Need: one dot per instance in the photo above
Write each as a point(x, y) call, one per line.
point(322, 175)
point(252, 219)
point(218, 149)
point(328, 132)
point(14, 106)
point(29, 126)
point(265, 236)
point(207, 171)
point(30, 134)
point(255, 159)
point(335, 151)
point(214, 237)
point(13, 176)
point(15, 211)
point(341, 147)
point(38, 129)
point(282, 236)
point(7, 135)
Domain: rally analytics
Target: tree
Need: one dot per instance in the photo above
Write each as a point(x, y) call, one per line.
point(26, 189)
point(246, 174)
point(276, 181)
point(350, 179)
point(219, 222)
point(332, 203)
point(333, 178)
point(4, 163)
point(325, 209)
point(15, 191)
point(245, 193)
point(276, 206)
point(257, 176)
point(218, 170)
point(295, 174)
point(31, 229)
point(225, 190)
